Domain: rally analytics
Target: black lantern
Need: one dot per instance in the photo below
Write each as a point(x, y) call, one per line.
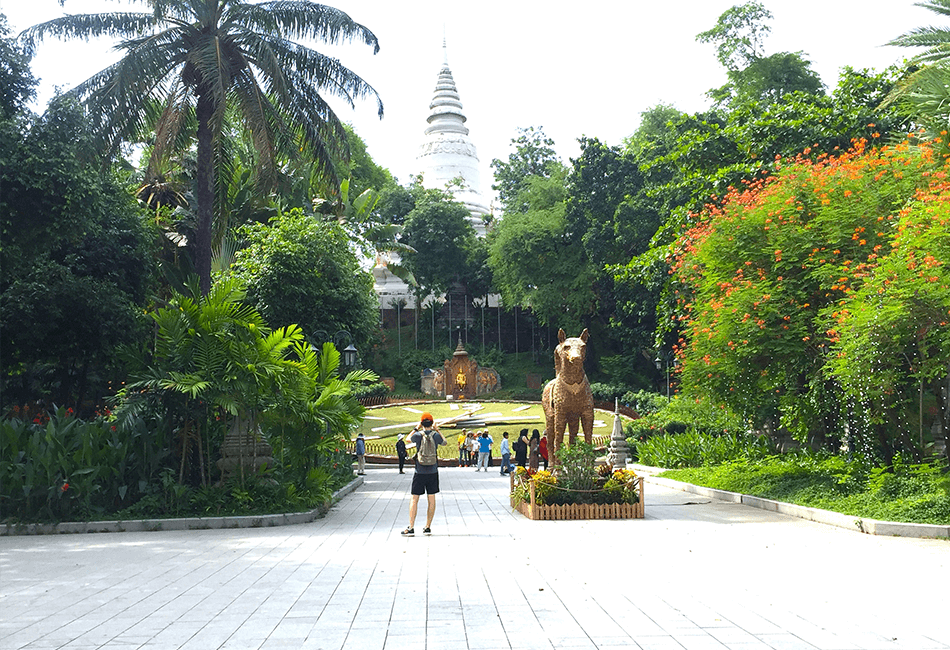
point(350, 356)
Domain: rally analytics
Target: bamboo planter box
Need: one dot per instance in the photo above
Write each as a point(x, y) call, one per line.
point(575, 511)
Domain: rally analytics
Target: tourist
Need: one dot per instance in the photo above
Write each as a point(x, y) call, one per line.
point(484, 448)
point(427, 439)
point(473, 449)
point(463, 450)
point(543, 451)
point(360, 454)
point(401, 452)
point(521, 449)
point(534, 446)
point(505, 453)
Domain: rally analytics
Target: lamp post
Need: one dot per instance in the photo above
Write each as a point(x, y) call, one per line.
point(663, 361)
point(349, 356)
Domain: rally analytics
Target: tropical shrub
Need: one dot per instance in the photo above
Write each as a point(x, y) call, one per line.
point(645, 402)
point(696, 449)
point(58, 467)
point(605, 392)
point(377, 389)
point(798, 283)
point(215, 361)
point(681, 414)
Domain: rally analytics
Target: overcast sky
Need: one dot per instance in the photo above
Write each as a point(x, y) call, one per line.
point(575, 69)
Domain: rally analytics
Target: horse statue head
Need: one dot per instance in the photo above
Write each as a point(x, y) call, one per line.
point(569, 356)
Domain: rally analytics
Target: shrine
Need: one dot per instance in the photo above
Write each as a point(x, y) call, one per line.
point(460, 377)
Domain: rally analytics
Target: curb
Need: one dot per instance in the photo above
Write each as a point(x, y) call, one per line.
point(817, 515)
point(183, 523)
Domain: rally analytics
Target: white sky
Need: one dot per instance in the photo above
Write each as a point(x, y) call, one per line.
point(573, 68)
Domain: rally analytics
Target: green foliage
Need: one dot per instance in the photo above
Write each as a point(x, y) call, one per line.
point(241, 66)
point(534, 263)
point(904, 493)
point(577, 466)
point(767, 282)
point(659, 415)
point(700, 449)
point(17, 83)
point(60, 467)
point(893, 334)
point(377, 389)
point(645, 402)
point(301, 270)
point(444, 246)
point(257, 496)
point(604, 392)
point(533, 158)
point(77, 264)
point(739, 34)
point(923, 91)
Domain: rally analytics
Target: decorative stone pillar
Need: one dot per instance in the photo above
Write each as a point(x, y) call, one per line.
point(619, 449)
point(244, 446)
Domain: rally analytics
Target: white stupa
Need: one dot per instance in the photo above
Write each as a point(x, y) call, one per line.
point(448, 154)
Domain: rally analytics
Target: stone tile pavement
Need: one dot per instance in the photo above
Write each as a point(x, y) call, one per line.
point(696, 574)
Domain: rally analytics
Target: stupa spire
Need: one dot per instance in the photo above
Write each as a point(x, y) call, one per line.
point(447, 153)
point(445, 109)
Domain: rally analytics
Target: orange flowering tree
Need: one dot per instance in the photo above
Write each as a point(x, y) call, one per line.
point(893, 341)
point(764, 276)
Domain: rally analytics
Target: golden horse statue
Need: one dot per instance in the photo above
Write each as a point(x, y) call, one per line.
point(567, 399)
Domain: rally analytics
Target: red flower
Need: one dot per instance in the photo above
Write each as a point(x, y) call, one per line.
point(65, 486)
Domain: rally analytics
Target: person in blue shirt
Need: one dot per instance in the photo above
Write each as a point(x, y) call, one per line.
point(505, 453)
point(484, 448)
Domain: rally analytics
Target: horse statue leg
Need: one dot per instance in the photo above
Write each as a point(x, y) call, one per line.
point(587, 422)
point(559, 424)
point(572, 428)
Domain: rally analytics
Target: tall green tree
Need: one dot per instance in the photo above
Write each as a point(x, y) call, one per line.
point(533, 156)
point(299, 269)
point(534, 263)
point(442, 240)
point(77, 261)
point(739, 36)
point(201, 57)
point(17, 84)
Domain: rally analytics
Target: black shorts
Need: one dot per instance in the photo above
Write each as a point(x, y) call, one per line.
point(425, 483)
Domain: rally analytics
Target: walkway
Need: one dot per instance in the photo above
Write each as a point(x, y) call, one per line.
point(696, 574)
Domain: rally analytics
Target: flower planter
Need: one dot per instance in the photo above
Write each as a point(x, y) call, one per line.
point(532, 510)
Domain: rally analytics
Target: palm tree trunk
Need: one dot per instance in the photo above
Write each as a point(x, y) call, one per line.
point(204, 173)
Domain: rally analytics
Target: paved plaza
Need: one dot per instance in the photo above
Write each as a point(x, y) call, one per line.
point(696, 574)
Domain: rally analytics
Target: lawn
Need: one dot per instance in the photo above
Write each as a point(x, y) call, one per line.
point(903, 493)
point(382, 424)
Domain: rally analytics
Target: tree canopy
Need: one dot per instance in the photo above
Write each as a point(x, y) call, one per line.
point(213, 60)
point(301, 270)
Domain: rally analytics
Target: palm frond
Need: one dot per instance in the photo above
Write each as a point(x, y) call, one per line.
point(87, 26)
point(301, 19)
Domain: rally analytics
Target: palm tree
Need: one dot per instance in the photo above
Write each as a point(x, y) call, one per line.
point(187, 62)
point(924, 91)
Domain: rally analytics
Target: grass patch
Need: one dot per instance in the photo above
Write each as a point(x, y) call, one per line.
point(383, 424)
point(901, 493)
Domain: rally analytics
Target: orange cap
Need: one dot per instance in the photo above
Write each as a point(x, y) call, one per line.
point(427, 416)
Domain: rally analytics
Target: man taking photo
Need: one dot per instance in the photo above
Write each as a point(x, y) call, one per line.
point(427, 439)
